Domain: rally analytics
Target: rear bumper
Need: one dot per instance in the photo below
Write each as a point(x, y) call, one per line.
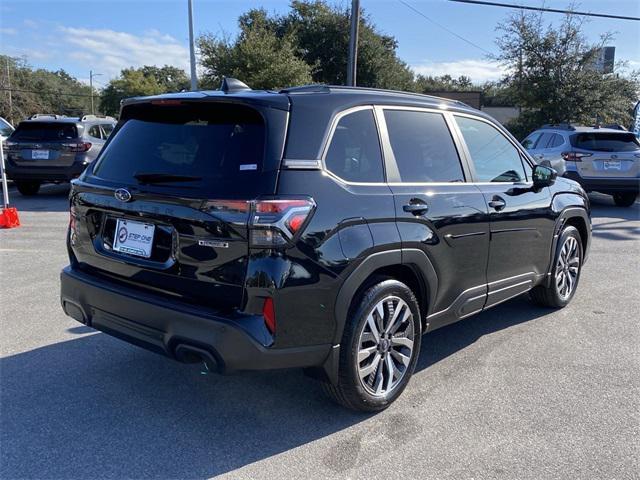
point(154, 323)
point(605, 185)
point(45, 174)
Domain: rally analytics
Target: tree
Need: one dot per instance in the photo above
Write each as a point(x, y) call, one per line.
point(552, 75)
point(310, 43)
point(445, 83)
point(39, 91)
point(146, 80)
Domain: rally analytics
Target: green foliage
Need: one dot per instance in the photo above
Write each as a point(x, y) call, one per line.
point(445, 83)
point(39, 91)
point(552, 75)
point(147, 80)
point(309, 44)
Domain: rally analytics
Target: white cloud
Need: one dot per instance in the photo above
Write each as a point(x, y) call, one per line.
point(478, 70)
point(109, 51)
point(8, 31)
point(30, 23)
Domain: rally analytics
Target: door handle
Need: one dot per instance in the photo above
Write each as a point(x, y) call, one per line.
point(417, 208)
point(497, 203)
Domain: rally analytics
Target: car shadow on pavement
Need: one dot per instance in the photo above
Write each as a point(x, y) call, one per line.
point(50, 198)
point(617, 220)
point(97, 407)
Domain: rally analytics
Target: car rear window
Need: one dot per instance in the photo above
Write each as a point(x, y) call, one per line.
point(606, 141)
point(219, 147)
point(44, 132)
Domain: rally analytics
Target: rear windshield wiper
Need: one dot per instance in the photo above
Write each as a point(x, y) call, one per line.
point(145, 178)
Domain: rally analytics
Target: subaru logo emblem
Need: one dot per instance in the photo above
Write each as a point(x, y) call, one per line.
point(122, 194)
point(614, 156)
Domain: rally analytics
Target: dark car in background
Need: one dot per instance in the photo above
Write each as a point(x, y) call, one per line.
point(53, 148)
point(601, 159)
point(318, 227)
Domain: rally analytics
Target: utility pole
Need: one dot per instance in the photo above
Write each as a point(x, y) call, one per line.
point(91, 75)
point(192, 49)
point(352, 67)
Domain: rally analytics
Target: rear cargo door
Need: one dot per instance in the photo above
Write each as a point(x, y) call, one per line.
point(608, 154)
point(44, 144)
point(166, 206)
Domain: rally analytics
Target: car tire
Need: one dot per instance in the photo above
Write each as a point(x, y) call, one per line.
point(375, 369)
point(625, 199)
point(28, 188)
point(566, 271)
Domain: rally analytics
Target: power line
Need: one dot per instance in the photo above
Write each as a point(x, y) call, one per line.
point(544, 9)
point(48, 92)
point(443, 27)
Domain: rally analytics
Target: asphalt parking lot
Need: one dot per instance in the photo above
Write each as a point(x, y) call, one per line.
point(516, 392)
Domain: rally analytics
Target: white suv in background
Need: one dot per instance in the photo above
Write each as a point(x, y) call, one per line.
point(605, 160)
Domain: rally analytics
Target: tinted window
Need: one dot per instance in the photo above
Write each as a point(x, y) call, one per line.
point(221, 148)
point(44, 131)
point(95, 131)
point(494, 157)
point(530, 141)
point(606, 142)
point(543, 141)
point(354, 153)
point(107, 128)
point(423, 147)
point(556, 141)
point(5, 128)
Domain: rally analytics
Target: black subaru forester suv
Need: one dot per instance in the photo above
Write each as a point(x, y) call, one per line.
point(318, 227)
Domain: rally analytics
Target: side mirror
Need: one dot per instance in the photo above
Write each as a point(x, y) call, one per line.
point(543, 176)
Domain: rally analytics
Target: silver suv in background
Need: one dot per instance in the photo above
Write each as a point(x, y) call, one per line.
point(605, 160)
point(54, 148)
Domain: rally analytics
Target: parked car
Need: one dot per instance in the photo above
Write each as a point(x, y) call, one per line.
point(605, 160)
point(318, 227)
point(54, 148)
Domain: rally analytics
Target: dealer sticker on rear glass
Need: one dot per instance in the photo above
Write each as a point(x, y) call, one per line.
point(249, 166)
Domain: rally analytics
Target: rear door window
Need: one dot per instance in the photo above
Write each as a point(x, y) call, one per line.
point(543, 141)
point(423, 147)
point(44, 132)
point(555, 141)
point(530, 142)
point(606, 142)
point(495, 158)
point(210, 149)
point(354, 152)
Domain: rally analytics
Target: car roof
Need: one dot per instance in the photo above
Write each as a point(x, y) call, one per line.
point(579, 129)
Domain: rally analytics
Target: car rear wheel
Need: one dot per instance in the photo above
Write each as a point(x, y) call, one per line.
point(28, 188)
point(565, 274)
point(625, 199)
point(379, 348)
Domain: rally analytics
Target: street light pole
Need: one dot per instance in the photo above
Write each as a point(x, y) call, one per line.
point(353, 43)
point(192, 49)
point(91, 75)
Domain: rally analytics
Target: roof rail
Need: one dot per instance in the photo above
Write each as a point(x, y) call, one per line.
point(312, 88)
point(615, 126)
point(559, 126)
point(84, 118)
point(39, 115)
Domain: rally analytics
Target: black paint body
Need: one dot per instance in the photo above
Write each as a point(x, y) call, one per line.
point(460, 255)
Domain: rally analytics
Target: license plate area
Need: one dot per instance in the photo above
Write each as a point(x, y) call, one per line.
point(612, 165)
point(133, 238)
point(40, 154)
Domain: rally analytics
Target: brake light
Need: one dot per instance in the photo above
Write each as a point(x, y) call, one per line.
point(269, 315)
point(72, 225)
point(77, 147)
point(275, 222)
point(166, 102)
point(575, 156)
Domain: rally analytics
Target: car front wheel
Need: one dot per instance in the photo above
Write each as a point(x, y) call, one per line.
point(379, 348)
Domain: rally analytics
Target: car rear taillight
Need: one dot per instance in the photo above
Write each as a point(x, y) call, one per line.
point(275, 222)
point(575, 156)
point(72, 225)
point(77, 147)
point(9, 146)
point(269, 315)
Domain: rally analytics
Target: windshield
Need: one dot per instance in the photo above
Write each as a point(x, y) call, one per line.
point(208, 149)
point(606, 142)
point(44, 132)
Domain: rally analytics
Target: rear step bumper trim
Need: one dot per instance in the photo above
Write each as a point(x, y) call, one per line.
point(159, 326)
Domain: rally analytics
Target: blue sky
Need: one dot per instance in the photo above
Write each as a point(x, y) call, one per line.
point(106, 36)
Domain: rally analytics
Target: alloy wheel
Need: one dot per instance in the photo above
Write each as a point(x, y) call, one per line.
point(385, 346)
point(567, 267)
